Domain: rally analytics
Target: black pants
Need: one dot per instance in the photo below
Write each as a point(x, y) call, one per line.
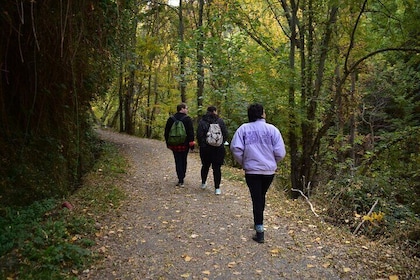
point(217, 173)
point(258, 186)
point(214, 157)
point(181, 165)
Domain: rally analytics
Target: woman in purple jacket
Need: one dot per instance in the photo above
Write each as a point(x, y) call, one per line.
point(258, 146)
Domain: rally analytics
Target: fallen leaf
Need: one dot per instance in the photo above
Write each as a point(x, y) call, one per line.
point(326, 265)
point(231, 264)
point(102, 249)
point(310, 266)
point(346, 269)
point(206, 272)
point(393, 277)
point(275, 251)
point(185, 275)
point(187, 258)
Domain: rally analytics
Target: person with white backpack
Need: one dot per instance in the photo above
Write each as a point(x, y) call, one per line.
point(212, 135)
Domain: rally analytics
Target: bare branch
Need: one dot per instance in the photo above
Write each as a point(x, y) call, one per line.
point(378, 52)
point(307, 200)
point(352, 38)
point(370, 212)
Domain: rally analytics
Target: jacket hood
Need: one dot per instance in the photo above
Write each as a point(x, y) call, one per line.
point(210, 117)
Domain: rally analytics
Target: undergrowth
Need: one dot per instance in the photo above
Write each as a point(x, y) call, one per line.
point(48, 241)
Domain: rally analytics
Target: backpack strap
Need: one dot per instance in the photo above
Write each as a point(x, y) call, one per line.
point(175, 119)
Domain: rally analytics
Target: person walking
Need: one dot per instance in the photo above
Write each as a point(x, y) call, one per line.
point(180, 151)
point(211, 155)
point(257, 146)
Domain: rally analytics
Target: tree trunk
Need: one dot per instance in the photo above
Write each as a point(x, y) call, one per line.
point(200, 58)
point(293, 137)
point(182, 81)
point(121, 99)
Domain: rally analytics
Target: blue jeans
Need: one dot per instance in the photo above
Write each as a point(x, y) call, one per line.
point(258, 186)
point(181, 165)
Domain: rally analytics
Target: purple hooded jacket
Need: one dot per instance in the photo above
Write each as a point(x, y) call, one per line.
point(258, 146)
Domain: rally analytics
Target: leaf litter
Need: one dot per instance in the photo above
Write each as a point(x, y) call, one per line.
point(164, 232)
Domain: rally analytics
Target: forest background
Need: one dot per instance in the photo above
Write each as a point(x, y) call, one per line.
point(340, 79)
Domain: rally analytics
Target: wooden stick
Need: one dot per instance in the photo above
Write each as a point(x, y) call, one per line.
point(307, 200)
point(370, 212)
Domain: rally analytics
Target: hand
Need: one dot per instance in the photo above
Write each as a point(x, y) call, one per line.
point(192, 145)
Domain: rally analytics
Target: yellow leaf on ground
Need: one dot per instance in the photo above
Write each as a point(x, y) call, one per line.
point(310, 266)
point(187, 258)
point(326, 265)
point(275, 251)
point(231, 264)
point(393, 277)
point(346, 269)
point(206, 272)
point(185, 275)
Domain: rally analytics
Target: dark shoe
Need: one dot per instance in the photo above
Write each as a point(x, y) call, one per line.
point(259, 237)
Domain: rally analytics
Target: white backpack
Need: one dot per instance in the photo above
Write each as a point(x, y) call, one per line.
point(214, 135)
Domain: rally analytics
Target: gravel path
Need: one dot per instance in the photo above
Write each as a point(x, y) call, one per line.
point(165, 232)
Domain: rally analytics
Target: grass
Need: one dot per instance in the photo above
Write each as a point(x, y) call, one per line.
point(47, 241)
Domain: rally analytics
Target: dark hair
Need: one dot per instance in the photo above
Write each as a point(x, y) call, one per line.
point(255, 112)
point(211, 109)
point(181, 106)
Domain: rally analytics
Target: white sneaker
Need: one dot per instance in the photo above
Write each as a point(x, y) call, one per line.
point(203, 186)
point(218, 191)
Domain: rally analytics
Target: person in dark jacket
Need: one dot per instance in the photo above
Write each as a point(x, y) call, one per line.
point(211, 155)
point(181, 151)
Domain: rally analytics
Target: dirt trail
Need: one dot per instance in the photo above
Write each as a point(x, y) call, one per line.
point(166, 232)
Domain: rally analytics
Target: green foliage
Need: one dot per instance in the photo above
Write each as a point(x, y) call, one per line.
point(41, 240)
point(104, 194)
point(46, 166)
point(52, 74)
point(389, 175)
point(45, 241)
point(15, 223)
